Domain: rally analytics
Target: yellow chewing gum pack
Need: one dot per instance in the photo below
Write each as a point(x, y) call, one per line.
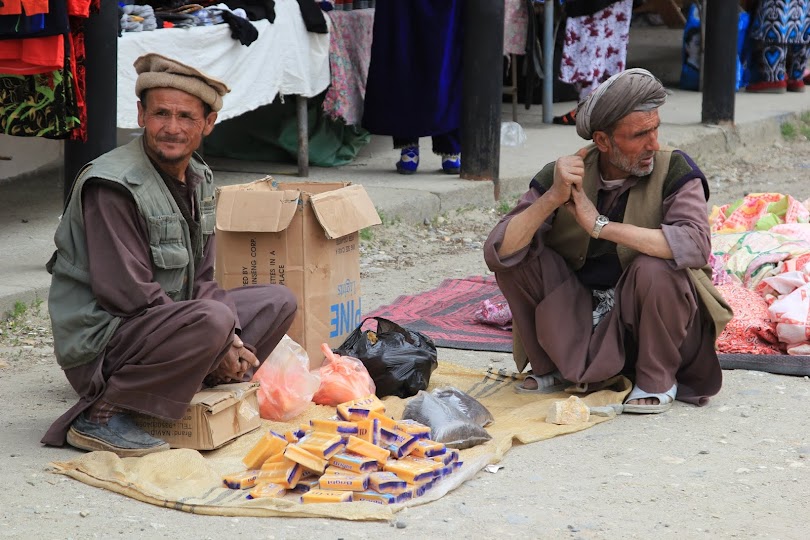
point(285, 473)
point(414, 428)
point(414, 473)
point(266, 490)
point(323, 445)
point(366, 449)
point(306, 459)
point(342, 482)
point(353, 462)
point(400, 444)
point(386, 482)
point(360, 409)
point(385, 422)
point(326, 496)
point(369, 430)
point(335, 427)
point(306, 484)
point(331, 469)
point(427, 448)
point(374, 497)
point(241, 480)
point(270, 444)
point(449, 456)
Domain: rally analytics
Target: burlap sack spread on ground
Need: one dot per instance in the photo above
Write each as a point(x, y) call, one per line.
point(190, 481)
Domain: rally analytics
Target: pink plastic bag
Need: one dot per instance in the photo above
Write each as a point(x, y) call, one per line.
point(343, 378)
point(287, 385)
point(494, 313)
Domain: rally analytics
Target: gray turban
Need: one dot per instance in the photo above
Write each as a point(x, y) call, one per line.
point(626, 92)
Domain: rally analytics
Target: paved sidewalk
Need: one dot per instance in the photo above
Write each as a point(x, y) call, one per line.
point(30, 206)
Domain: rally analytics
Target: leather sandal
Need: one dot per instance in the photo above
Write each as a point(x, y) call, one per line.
point(568, 119)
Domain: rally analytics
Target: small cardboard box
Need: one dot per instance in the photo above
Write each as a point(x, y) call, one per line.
point(304, 235)
point(214, 417)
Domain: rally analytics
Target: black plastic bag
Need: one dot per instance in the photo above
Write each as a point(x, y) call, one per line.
point(399, 360)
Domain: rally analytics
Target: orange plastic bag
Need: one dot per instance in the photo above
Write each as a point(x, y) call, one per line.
point(287, 385)
point(343, 379)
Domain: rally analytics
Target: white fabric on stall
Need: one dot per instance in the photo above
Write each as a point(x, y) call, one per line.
point(286, 59)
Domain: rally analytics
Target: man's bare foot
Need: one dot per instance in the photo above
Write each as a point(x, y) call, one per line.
point(548, 383)
point(644, 401)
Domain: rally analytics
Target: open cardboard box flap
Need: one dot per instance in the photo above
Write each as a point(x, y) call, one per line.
point(255, 207)
point(223, 396)
point(344, 211)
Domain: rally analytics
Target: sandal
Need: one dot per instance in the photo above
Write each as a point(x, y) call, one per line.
point(568, 119)
point(546, 384)
point(664, 401)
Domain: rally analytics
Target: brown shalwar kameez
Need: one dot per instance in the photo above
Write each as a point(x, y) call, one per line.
point(656, 332)
point(160, 355)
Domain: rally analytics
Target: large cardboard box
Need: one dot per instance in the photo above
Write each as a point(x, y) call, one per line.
point(214, 417)
point(304, 235)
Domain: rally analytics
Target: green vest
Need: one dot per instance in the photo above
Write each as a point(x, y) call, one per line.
point(81, 328)
point(644, 209)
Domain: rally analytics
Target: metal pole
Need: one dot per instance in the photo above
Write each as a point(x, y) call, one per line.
point(101, 43)
point(301, 115)
point(482, 83)
point(720, 61)
point(548, 61)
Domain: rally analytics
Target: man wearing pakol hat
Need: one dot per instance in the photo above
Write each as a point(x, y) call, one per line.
point(604, 260)
point(139, 323)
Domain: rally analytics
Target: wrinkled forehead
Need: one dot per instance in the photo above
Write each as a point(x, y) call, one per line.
point(637, 122)
point(171, 99)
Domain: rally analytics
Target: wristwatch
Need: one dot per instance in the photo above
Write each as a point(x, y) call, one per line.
point(600, 222)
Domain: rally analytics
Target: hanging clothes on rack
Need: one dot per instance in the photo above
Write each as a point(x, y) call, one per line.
point(41, 81)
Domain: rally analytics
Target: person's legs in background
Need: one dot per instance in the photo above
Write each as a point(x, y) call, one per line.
point(768, 60)
point(409, 154)
point(796, 62)
point(448, 145)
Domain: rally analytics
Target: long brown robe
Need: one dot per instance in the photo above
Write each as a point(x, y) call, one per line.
point(162, 352)
point(656, 333)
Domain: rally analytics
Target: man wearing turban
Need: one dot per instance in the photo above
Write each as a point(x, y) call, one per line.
point(604, 260)
point(139, 323)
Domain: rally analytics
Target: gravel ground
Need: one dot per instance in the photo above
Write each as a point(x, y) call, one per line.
point(737, 468)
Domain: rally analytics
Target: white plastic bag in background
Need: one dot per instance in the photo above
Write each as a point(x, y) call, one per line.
point(287, 385)
point(512, 134)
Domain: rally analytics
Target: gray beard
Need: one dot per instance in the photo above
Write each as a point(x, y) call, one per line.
point(621, 162)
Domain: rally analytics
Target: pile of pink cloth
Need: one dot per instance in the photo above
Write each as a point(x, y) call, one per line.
point(761, 262)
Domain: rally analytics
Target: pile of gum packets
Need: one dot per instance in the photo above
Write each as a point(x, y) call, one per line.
point(359, 455)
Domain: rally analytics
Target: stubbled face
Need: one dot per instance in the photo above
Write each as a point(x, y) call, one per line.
point(629, 151)
point(174, 124)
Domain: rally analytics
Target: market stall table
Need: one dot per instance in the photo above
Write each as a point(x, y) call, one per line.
point(286, 59)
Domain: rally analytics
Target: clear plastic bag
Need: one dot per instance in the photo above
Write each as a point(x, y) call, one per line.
point(512, 134)
point(448, 424)
point(465, 403)
point(287, 385)
point(343, 378)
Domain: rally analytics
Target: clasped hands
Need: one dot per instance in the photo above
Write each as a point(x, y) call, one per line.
point(566, 191)
point(235, 363)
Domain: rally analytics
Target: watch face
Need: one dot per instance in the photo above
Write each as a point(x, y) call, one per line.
point(602, 220)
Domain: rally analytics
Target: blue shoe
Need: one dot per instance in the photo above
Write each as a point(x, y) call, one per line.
point(120, 435)
point(408, 160)
point(451, 163)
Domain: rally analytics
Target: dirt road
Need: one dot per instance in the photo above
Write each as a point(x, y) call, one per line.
point(738, 468)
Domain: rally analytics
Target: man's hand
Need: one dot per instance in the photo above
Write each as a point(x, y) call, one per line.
point(568, 174)
point(583, 209)
point(235, 363)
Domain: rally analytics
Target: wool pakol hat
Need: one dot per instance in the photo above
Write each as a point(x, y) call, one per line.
point(157, 71)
